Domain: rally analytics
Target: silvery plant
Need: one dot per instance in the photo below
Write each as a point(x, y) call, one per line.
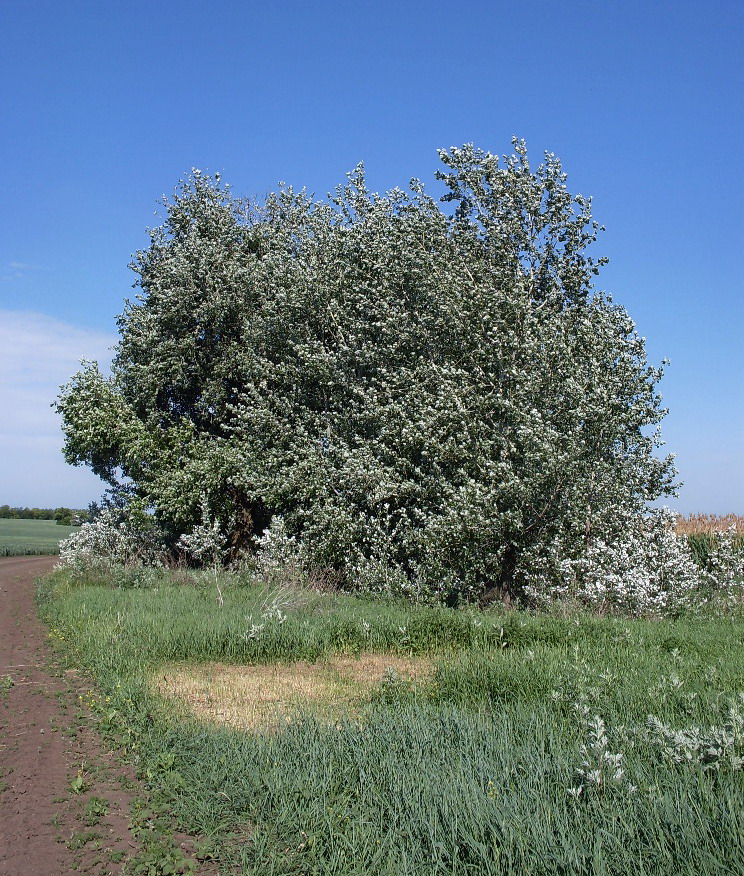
point(644, 569)
point(115, 536)
point(432, 394)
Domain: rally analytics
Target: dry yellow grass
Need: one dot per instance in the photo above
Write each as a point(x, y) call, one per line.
point(265, 697)
point(708, 524)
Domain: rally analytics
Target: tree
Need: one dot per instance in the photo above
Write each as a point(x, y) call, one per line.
point(435, 401)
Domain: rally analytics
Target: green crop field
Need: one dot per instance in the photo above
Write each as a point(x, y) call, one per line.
point(24, 537)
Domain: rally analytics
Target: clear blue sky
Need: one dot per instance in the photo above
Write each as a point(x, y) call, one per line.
point(106, 104)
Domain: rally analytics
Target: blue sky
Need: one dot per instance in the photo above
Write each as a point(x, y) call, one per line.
point(106, 105)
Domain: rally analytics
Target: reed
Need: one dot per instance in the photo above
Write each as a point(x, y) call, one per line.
point(708, 524)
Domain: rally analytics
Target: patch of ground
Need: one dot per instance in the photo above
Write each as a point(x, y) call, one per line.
point(266, 696)
point(64, 799)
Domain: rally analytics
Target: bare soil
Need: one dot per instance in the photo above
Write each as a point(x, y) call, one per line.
point(64, 798)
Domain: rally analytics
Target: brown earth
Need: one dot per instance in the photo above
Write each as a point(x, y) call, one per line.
point(64, 798)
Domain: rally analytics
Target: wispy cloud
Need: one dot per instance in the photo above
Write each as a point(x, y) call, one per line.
point(16, 271)
point(37, 354)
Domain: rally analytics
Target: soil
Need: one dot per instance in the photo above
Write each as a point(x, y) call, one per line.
point(64, 798)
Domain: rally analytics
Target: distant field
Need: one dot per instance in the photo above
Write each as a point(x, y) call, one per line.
point(22, 537)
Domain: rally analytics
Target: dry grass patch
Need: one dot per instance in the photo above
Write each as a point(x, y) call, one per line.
point(265, 697)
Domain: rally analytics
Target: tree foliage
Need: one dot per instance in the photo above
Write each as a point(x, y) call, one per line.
point(435, 399)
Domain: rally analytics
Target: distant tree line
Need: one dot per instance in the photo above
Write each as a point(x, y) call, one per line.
point(63, 516)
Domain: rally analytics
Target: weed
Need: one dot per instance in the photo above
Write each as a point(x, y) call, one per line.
point(79, 785)
point(5, 685)
point(712, 748)
point(95, 809)
point(159, 853)
point(80, 839)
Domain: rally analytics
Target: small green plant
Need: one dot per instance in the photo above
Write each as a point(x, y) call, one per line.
point(79, 785)
point(159, 854)
point(81, 839)
point(95, 809)
point(600, 769)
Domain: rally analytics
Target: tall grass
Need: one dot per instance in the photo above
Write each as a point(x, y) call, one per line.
point(708, 524)
point(482, 769)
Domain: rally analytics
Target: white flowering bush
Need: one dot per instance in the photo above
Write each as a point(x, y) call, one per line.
point(206, 543)
point(436, 402)
point(643, 569)
point(277, 552)
point(649, 570)
point(724, 567)
point(640, 568)
point(114, 537)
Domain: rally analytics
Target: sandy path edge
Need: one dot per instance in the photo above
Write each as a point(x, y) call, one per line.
point(44, 739)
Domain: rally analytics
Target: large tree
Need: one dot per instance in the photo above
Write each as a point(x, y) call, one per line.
point(435, 400)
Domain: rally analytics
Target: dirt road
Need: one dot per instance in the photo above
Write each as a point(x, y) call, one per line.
point(48, 824)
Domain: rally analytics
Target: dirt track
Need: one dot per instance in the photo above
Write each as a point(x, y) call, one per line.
point(45, 740)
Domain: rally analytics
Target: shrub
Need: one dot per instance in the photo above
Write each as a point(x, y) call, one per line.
point(115, 537)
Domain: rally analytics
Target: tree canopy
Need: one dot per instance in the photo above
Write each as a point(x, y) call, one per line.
point(431, 396)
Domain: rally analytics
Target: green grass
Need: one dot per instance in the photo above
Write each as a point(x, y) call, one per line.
point(31, 537)
point(468, 773)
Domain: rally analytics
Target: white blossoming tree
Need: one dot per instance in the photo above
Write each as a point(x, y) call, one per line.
point(437, 401)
